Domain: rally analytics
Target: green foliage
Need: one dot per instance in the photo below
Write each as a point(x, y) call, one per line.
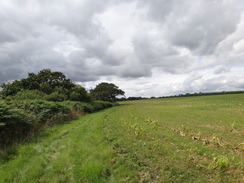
point(9, 89)
point(39, 111)
point(79, 93)
point(33, 115)
point(106, 92)
point(221, 162)
point(205, 94)
point(98, 105)
point(56, 97)
point(30, 94)
point(45, 81)
point(79, 106)
point(54, 85)
point(13, 123)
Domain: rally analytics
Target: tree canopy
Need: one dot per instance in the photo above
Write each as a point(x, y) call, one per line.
point(106, 91)
point(54, 84)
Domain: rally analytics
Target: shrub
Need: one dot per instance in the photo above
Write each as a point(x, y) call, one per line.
point(99, 105)
point(79, 93)
point(33, 115)
point(39, 110)
point(56, 97)
point(79, 106)
point(30, 94)
point(13, 123)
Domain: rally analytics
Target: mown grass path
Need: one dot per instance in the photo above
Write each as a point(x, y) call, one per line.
point(74, 152)
point(193, 139)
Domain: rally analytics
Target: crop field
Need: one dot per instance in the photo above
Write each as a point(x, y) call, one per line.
point(183, 139)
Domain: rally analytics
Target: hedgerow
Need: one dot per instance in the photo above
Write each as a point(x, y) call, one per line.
point(20, 119)
point(13, 123)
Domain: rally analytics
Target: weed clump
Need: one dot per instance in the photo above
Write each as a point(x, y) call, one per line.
point(222, 162)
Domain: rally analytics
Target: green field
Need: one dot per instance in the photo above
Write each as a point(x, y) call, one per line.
point(187, 139)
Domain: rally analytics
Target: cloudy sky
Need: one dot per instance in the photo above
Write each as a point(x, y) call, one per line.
point(147, 48)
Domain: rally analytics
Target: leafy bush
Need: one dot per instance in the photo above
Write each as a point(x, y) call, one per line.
point(40, 110)
point(54, 84)
point(56, 97)
point(99, 105)
point(30, 94)
point(79, 93)
point(32, 115)
point(79, 106)
point(13, 123)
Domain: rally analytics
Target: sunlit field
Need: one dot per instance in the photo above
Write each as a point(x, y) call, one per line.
point(184, 139)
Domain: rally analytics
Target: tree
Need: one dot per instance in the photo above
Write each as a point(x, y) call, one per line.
point(79, 93)
point(11, 88)
point(45, 81)
point(54, 84)
point(106, 92)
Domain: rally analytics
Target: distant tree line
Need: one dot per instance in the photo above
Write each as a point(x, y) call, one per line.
point(183, 95)
point(204, 94)
point(131, 98)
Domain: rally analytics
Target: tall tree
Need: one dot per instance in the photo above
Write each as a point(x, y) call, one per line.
point(54, 84)
point(45, 81)
point(106, 92)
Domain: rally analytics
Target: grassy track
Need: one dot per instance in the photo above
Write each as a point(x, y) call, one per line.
point(74, 152)
point(192, 139)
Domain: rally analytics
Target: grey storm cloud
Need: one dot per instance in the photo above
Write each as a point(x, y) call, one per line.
point(197, 25)
point(205, 27)
point(70, 36)
point(152, 53)
point(32, 34)
point(221, 69)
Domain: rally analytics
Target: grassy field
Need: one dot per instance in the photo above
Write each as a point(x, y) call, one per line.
point(188, 139)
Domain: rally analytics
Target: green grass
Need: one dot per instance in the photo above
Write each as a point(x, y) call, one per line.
point(191, 139)
point(74, 152)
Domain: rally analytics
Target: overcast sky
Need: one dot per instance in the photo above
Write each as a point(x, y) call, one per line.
point(147, 48)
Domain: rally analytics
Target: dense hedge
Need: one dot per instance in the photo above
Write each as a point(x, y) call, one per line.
point(20, 119)
point(13, 123)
